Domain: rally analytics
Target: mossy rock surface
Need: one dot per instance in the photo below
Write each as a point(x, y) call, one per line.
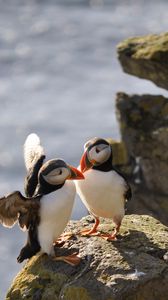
point(146, 57)
point(143, 113)
point(120, 156)
point(133, 267)
point(144, 128)
point(121, 159)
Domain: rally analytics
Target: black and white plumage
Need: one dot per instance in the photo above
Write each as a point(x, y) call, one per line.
point(50, 182)
point(104, 190)
point(50, 185)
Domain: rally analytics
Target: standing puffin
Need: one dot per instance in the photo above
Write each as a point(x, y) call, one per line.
point(104, 190)
point(50, 186)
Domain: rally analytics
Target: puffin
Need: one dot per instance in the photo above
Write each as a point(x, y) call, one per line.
point(105, 190)
point(47, 207)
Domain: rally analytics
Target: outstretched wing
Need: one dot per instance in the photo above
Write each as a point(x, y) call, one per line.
point(34, 157)
point(14, 207)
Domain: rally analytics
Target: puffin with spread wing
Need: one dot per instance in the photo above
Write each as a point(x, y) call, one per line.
point(46, 210)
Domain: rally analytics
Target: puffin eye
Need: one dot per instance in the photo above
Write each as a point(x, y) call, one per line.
point(97, 150)
point(60, 172)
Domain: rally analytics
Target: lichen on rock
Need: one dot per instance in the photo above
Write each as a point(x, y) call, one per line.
point(120, 270)
point(146, 57)
point(120, 156)
point(144, 128)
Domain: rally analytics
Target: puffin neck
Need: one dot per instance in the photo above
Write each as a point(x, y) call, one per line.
point(106, 166)
point(46, 188)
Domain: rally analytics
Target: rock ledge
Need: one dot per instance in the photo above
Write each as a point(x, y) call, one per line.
point(133, 267)
point(146, 57)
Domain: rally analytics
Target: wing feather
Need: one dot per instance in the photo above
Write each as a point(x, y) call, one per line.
point(32, 150)
point(14, 207)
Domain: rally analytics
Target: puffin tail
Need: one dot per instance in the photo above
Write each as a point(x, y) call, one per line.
point(32, 150)
point(33, 157)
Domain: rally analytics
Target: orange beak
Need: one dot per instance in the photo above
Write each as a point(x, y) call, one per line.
point(85, 164)
point(75, 174)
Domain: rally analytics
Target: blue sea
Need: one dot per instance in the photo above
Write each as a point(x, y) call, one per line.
point(59, 74)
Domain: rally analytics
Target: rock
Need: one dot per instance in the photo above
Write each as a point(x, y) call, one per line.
point(120, 156)
point(133, 267)
point(146, 57)
point(149, 203)
point(144, 128)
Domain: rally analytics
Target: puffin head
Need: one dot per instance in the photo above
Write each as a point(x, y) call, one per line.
point(56, 171)
point(97, 151)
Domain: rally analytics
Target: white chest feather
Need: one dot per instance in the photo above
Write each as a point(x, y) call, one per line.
point(102, 193)
point(55, 212)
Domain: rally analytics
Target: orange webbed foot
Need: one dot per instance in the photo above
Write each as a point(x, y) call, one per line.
point(89, 232)
point(63, 238)
point(93, 231)
point(73, 259)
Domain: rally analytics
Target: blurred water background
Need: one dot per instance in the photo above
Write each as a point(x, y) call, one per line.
point(58, 77)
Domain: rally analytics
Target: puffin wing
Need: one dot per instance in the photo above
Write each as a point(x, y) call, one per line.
point(128, 193)
point(33, 157)
point(15, 207)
